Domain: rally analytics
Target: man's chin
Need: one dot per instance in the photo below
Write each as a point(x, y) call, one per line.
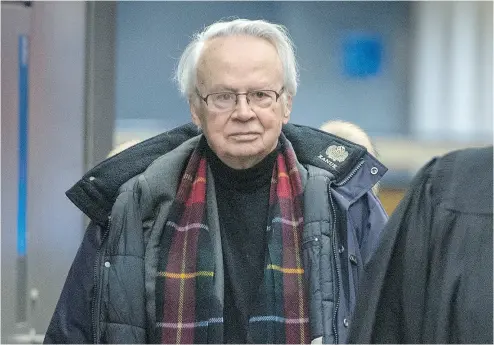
point(245, 149)
point(245, 153)
point(240, 154)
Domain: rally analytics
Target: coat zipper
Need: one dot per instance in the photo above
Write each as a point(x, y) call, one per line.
point(352, 173)
point(337, 269)
point(96, 296)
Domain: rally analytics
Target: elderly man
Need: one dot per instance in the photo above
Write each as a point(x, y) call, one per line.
point(238, 228)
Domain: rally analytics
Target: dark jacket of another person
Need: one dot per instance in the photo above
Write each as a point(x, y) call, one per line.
point(430, 280)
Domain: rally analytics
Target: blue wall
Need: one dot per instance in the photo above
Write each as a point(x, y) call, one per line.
point(152, 35)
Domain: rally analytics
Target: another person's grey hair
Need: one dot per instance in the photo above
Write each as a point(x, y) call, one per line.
point(186, 73)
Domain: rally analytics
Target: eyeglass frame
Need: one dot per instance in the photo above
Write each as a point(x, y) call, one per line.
point(205, 99)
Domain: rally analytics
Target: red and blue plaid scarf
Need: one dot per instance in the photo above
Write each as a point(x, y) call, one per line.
point(187, 310)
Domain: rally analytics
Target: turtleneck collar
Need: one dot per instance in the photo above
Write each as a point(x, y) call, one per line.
point(243, 179)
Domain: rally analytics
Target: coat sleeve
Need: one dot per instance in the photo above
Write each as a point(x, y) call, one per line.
point(380, 312)
point(72, 319)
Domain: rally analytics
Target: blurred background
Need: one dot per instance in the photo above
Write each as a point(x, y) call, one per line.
point(80, 78)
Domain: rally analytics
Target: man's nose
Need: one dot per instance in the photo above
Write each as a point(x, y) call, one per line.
point(243, 111)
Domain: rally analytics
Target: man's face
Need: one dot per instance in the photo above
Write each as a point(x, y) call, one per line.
point(244, 135)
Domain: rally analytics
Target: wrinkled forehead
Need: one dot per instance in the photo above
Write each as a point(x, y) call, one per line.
point(239, 62)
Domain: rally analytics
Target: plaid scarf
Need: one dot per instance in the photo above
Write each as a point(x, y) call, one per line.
point(187, 310)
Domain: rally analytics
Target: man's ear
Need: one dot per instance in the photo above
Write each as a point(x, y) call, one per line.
point(287, 109)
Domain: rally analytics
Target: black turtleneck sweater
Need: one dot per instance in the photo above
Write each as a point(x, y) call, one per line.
point(243, 203)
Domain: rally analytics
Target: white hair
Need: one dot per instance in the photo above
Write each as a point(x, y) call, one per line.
point(186, 73)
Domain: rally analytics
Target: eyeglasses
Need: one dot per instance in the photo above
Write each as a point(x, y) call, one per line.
point(224, 101)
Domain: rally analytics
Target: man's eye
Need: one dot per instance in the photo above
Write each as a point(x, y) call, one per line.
point(260, 94)
point(224, 97)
